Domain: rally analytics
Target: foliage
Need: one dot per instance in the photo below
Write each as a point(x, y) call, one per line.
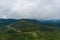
point(27, 29)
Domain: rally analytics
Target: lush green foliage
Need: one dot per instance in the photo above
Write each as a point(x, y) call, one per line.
point(26, 29)
point(31, 36)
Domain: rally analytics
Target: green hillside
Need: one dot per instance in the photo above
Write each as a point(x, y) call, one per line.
point(29, 29)
point(28, 25)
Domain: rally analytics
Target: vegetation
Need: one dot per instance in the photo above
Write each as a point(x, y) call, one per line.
point(28, 29)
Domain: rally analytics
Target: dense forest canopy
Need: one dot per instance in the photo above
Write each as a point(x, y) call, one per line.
point(29, 29)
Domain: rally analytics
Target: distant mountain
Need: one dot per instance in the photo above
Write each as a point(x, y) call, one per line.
point(7, 21)
point(52, 22)
point(34, 25)
point(29, 25)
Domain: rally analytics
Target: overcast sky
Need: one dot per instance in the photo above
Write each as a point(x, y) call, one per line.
point(30, 9)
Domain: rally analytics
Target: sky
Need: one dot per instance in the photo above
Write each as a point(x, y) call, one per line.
point(41, 9)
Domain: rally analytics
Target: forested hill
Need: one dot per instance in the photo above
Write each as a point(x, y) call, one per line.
point(7, 22)
point(28, 29)
point(29, 25)
point(33, 25)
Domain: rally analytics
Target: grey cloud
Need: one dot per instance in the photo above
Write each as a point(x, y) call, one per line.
point(29, 8)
